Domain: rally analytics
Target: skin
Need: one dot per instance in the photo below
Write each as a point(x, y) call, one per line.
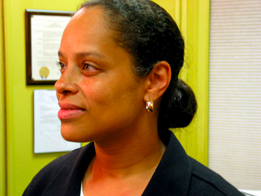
point(102, 100)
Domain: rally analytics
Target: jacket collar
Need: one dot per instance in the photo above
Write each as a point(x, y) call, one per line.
point(73, 182)
point(172, 176)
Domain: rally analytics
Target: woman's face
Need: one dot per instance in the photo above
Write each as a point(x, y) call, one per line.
point(98, 93)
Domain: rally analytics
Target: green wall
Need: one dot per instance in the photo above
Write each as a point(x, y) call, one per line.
point(195, 28)
point(192, 16)
point(2, 110)
point(21, 163)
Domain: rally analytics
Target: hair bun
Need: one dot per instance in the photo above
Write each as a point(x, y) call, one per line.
point(180, 108)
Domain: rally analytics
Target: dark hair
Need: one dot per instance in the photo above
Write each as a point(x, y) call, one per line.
point(150, 34)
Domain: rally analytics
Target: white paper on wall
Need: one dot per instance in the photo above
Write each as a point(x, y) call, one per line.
point(47, 134)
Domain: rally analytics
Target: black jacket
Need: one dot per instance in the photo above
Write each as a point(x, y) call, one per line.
point(177, 174)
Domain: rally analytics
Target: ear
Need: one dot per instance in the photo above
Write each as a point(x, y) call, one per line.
point(157, 81)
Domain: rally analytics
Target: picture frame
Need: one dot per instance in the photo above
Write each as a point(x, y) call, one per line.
point(43, 29)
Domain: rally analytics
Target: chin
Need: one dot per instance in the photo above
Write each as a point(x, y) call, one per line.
point(70, 135)
point(73, 135)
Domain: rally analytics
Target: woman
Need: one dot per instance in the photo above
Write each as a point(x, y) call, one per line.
point(119, 88)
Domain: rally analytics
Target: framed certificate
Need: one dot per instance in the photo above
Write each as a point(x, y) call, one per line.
point(43, 36)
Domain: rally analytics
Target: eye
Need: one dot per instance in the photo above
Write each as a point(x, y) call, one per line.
point(89, 68)
point(61, 66)
point(86, 66)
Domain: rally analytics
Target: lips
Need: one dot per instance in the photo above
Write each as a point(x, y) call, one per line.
point(69, 111)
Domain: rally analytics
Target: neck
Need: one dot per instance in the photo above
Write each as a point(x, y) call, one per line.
point(134, 154)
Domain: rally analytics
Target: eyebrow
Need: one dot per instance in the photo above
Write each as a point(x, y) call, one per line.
point(84, 54)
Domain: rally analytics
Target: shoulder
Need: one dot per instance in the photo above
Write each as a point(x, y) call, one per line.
point(56, 172)
point(204, 181)
point(47, 174)
point(58, 165)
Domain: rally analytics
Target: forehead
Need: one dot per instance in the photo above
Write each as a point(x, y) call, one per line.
point(88, 33)
point(86, 14)
point(88, 27)
point(88, 20)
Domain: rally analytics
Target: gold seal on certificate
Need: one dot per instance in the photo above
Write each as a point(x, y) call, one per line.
point(44, 72)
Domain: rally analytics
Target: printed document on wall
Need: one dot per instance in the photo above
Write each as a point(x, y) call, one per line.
point(47, 133)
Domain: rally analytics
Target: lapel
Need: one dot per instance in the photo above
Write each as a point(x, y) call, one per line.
point(172, 176)
point(79, 169)
point(68, 181)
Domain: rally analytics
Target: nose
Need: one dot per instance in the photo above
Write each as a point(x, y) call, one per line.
point(67, 84)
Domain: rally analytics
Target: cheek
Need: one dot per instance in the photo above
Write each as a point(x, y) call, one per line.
point(98, 94)
point(111, 92)
point(123, 94)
